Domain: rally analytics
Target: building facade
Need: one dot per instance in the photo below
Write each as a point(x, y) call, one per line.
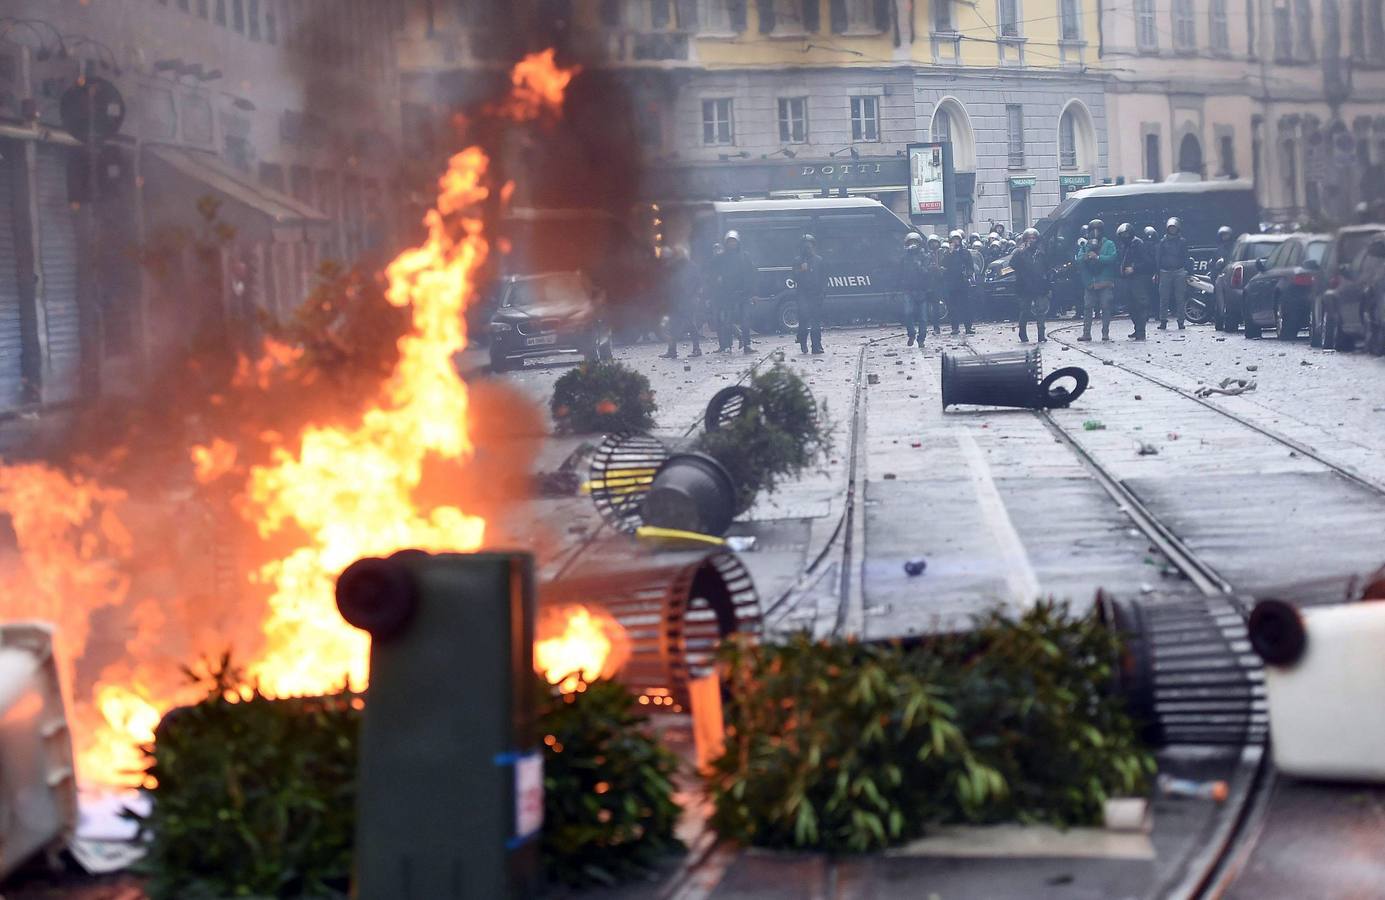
point(781, 98)
point(239, 144)
point(1290, 93)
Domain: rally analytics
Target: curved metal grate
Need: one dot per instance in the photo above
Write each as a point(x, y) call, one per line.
point(622, 469)
point(727, 405)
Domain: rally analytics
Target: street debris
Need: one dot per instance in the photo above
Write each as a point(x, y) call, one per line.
point(1148, 450)
point(741, 543)
point(1138, 397)
point(1093, 425)
point(1252, 368)
point(1173, 435)
point(890, 476)
point(1228, 386)
point(1197, 790)
point(872, 378)
point(1304, 363)
point(915, 566)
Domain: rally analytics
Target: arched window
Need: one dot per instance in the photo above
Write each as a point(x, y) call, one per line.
point(1303, 15)
point(1218, 35)
point(1076, 138)
point(1190, 154)
point(1184, 25)
point(951, 123)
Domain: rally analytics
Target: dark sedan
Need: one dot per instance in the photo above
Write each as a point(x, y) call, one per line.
point(545, 315)
point(1280, 296)
point(1338, 317)
point(1350, 310)
point(1235, 273)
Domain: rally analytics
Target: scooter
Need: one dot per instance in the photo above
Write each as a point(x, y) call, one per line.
point(1201, 298)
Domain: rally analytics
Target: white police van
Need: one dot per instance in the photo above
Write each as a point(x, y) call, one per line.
point(859, 239)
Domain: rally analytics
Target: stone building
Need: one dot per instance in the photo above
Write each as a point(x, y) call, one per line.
point(283, 114)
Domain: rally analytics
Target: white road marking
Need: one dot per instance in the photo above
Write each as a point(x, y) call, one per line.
point(1019, 573)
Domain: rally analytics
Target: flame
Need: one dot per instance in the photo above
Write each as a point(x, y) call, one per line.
point(575, 645)
point(329, 493)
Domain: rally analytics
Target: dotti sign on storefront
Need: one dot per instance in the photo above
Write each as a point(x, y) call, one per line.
point(720, 180)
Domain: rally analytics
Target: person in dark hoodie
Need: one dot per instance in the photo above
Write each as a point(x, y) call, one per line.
point(1031, 283)
point(733, 284)
point(914, 277)
point(1134, 276)
point(1097, 261)
point(1172, 260)
point(810, 279)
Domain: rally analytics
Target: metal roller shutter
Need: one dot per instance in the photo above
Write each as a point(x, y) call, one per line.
point(57, 247)
point(11, 335)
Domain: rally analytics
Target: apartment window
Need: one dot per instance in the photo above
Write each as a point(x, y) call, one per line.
point(1283, 32)
point(1219, 35)
point(1303, 11)
point(717, 125)
point(1226, 150)
point(715, 16)
point(1019, 209)
point(942, 127)
point(238, 15)
point(1184, 26)
point(788, 16)
point(271, 23)
point(1071, 20)
point(860, 15)
point(1014, 135)
point(220, 17)
point(1067, 141)
point(1154, 170)
point(865, 118)
point(1146, 32)
point(254, 20)
point(942, 16)
point(1007, 15)
point(793, 120)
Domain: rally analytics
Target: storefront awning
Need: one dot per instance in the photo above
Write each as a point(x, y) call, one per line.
point(251, 207)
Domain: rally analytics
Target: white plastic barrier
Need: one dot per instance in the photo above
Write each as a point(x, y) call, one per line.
point(1325, 681)
point(38, 791)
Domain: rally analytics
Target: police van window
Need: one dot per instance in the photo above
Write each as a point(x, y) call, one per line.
point(843, 239)
point(772, 247)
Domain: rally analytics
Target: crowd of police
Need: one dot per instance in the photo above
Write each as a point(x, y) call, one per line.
point(1142, 270)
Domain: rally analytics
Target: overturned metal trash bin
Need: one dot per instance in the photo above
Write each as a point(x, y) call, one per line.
point(1014, 378)
point(675, 609)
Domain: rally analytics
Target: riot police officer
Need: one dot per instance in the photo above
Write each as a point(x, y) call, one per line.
point(810, 279)
point(1097, 262)
point(959, 269)
point(915, 281)
point(733, 284)
point(1031, 283)
point(685, 307)
point(933, 309)
point(1173, 263)
point(1134, 275)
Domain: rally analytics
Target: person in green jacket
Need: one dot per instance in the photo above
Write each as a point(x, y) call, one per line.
point(1096, 260)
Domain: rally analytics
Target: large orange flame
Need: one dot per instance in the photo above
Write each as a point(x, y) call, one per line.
point(335, 494)
point(574, 645)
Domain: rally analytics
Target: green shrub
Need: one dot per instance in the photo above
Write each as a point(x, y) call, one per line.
point(254, 798)
point(844, 746)
point(602, 397)
point(780, 433)
point(609, 812)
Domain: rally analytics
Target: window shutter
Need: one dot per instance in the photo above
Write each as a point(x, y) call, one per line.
point(839, 21)
point(882, 14)
point(658, 14)
point(738, 14)
point(610, 13)
point(812, 15)
point(687, 14)
point(766, 8)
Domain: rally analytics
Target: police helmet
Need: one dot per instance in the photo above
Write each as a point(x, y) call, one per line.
point(934, 239)
point(1031, 234)
point(1224, 233)
point(913, 238)
point(1095, 225)
point(1150, 233)
point(1125, 232)
point(1174, 224)
point(807, 239)
point(974, 236)
point(977, 245)
point(955, 235)
point(732, 235)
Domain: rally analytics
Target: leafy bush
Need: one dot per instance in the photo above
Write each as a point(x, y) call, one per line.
point(845, 746)
point(256, 798)
point(253, 798)
point(602, 397)
point(609, 812)
point(780, 433)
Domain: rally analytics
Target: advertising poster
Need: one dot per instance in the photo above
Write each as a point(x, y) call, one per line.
point(926, 179)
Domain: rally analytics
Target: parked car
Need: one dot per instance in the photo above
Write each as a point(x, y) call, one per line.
point(860, 241)
point(1351, 311)
point(1235, 273)
point(545, 315)
point(1280, 296)
point(1341, 266)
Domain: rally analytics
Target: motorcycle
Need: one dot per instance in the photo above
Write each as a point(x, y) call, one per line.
point(1201, 299)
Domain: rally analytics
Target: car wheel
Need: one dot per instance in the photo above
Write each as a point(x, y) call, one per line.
point(499, 362)
point(1219, 313)
point(1252, 329)
point(786, 316)
point(1342, 342)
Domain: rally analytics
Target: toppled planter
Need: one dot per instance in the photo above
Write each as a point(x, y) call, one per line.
point(602, 397)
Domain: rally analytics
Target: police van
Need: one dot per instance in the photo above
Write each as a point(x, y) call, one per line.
point(859, 240)
point(1204, 206)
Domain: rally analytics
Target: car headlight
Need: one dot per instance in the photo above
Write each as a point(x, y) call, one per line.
point(501, 327)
